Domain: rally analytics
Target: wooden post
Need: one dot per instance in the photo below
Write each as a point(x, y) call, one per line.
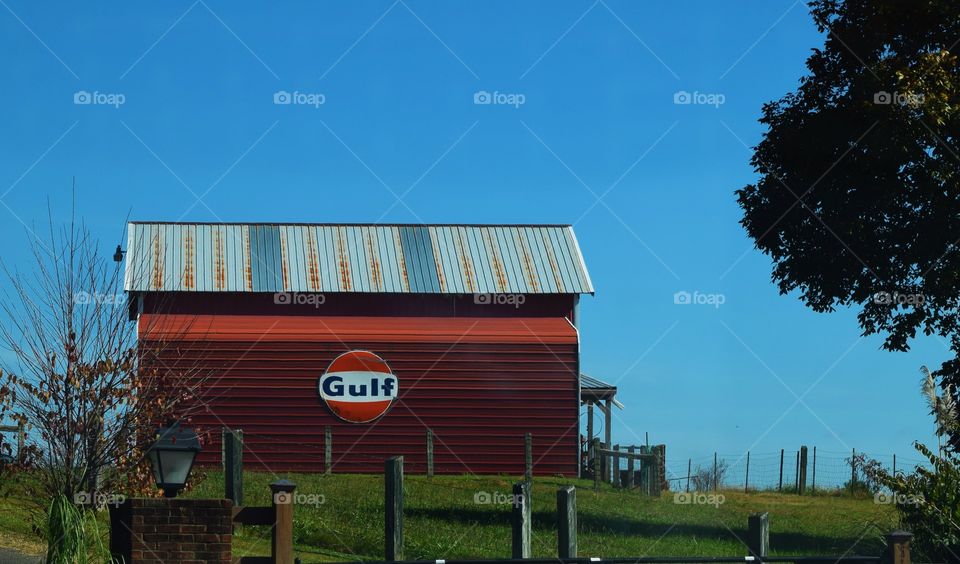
point(813, 484)
point(393, 501)
point(716, 476)
point(520, 521)
point(758, 534)
point(746, 476)
point(589, 422)
point(327, 449)
point(596, 464)
point(630, 480)
point(898, 548)
point(282, 543)
point(616, 466)
point(780, 486)
point(607, 434)
point(528, 458)
point(894, 461)
point(429, 453)
point(659, 470)
point(803, 471)
point(689, 462)
point(567, 522)
point(796, 475)
point(853, 467)
point(232, 443)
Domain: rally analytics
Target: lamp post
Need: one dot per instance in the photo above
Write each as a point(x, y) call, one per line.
point(172, 457)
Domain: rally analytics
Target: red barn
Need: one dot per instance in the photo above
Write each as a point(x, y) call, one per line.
point(467, 330)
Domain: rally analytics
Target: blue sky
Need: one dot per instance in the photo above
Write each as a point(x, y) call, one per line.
point(597, 141)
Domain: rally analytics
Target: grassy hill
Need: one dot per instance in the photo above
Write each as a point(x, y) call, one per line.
point(341, 517)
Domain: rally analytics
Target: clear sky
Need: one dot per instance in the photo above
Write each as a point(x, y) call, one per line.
point(383, 125)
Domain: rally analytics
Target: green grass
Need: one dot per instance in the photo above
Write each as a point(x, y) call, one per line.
point(442, 520)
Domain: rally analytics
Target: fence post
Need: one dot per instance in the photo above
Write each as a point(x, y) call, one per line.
point(780, 486)
point(616, 466)
point(429, 453)
point(281, 546)
point(327, 449)
point(659, 469)
point(596, 464)
point(894, 461)
point(520, 521)
point(567, 522)
point(630, 480)
point(853, 467)
point(232, 444)
point(758, 534)
point(746, 476)
point(796, 474)
point(898, 548)
point(393, 501)
point(689, 463)
point(716, 477)
point(528, 457)
point(813, 484)
point(803, 471)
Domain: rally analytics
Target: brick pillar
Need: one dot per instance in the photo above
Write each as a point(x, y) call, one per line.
point(157, 531)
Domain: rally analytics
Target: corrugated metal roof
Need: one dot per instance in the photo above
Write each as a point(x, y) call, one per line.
point(432, 259)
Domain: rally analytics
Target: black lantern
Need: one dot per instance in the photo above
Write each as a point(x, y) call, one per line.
point(172, 457)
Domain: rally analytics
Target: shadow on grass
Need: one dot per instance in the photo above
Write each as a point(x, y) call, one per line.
point(814, 545)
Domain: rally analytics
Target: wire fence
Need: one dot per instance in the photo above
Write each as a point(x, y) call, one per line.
point(781, 470)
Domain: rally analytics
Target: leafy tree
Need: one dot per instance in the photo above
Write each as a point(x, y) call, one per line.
point(858, 196)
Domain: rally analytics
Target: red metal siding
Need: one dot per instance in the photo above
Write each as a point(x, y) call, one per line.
point(478, 383)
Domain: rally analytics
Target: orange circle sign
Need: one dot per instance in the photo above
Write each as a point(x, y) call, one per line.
point(358, 386)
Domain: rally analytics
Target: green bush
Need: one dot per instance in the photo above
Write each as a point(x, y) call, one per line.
point(72, 534)
point(928, 502)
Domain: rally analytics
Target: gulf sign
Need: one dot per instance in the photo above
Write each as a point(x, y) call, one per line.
point(358, 386)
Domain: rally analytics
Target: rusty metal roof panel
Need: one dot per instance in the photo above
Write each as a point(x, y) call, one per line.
point(434, 259)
